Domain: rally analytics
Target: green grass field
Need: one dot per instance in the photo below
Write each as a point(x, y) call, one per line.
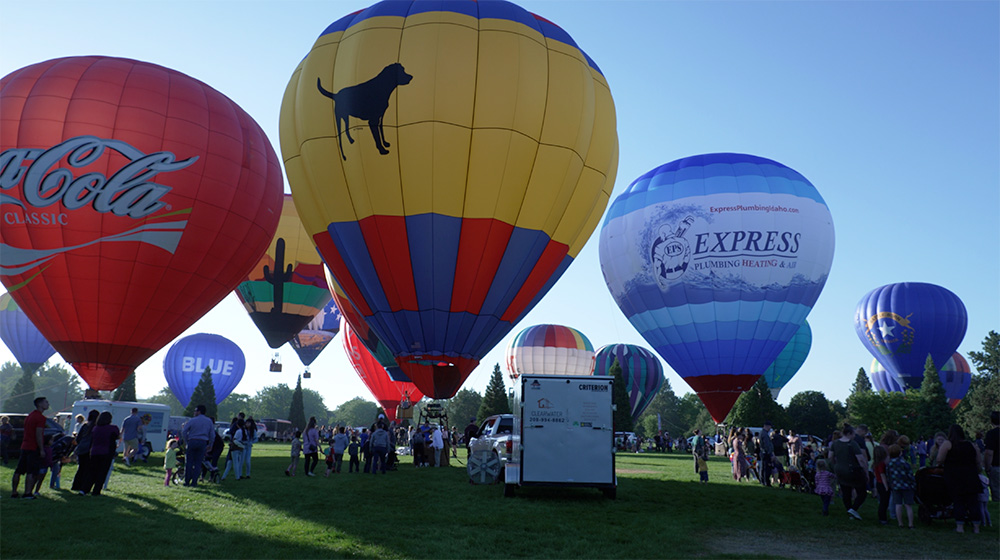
point(661, 512)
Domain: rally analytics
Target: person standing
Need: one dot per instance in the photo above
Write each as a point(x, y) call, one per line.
point(6, 435)
point(78, 423)
point(296, 451)
point(197, 433)
point(31, 449)
point(766, 449)
point(103, 446)
point(340, 444)
point(851, 467)
point(310, 446)
point(130, 433)
point(470, 432)
point(991, 456)
point(961, 460)
point(380, 448)
point(437, 444)
point(252, 436)
point(82, 452)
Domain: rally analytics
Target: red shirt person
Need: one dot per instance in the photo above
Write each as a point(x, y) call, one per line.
point(33, 443)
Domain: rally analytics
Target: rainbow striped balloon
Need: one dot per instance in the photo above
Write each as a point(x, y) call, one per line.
point(641, 369)
point(550, 350)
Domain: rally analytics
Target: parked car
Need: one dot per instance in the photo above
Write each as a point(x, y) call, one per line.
point(52, 428)
point(496, 433)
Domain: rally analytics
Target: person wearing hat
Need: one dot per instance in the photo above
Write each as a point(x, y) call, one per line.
point(470, 432)
point(766, 454)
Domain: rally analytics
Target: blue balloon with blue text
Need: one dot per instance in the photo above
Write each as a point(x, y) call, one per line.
point(901, 324)
point(188, 357)
point(716, 260)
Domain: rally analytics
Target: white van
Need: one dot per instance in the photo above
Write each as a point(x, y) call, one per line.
point(156, 430)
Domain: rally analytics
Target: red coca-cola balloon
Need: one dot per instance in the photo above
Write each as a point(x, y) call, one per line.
point(133, 199)
point(390, 394)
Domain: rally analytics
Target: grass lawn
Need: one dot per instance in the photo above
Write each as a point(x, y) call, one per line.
point(661, 512)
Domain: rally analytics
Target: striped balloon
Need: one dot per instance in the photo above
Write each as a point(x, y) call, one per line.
point(717, 260)
point(956, 377)
point(550, 350)
point(884, 381)
point(29, 347)
point(641, 369)
point(789, 360)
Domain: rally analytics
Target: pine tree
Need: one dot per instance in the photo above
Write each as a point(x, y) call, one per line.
point(125, 391)
point(623, 421)
point(204, 393)
point(297, 410)
point(755, 406)
point(935, 413)
point(984, 392)
point(861, 383)
point(495, 400)
point(23, 396)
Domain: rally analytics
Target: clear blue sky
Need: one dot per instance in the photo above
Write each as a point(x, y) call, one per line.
point(892, 109)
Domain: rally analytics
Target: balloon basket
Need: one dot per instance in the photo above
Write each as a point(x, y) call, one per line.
point(307, 375)
point(404, 413)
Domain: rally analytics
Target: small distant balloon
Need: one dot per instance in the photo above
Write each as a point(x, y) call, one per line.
point(882, 380)
point(550, 350)
point(311, 341)
point(187, 359)
point(956, 377)
point(790, 359)
point(25, 341)
point(641, 369)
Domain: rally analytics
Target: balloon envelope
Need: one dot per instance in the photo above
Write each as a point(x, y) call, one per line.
point(387, 392)
point(187, 359)
point(550, 350)
point(900, 324)
point(884, 381)
point(717, 260)
point(26, 342)
point(142, 197)
point(318, 333)
point(287, 288)
point(955, 377)
point(791, 358)
point(484, 167)
point(641, 369)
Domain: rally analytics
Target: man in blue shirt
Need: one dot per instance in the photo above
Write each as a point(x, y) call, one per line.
point(197, 433)
point(130, 433)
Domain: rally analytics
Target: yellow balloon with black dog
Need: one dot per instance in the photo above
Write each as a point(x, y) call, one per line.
point(449, 160)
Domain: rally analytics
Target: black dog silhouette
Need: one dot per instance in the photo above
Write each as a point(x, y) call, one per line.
point(367, 101)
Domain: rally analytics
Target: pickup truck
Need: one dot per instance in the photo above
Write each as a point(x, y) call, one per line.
point(496, 434)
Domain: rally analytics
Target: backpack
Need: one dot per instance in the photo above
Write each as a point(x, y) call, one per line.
point(62, 447)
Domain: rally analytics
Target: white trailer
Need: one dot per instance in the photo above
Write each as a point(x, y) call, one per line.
point(156, 430)
point(564, 433)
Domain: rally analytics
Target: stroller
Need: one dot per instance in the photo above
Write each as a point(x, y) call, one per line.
point(933, 499)
point(796, 480)
point(178, 475)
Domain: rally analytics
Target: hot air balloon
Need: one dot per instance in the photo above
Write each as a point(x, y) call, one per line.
point(789, 360)
point(450, 160)
point(550, 350)
point(365, 333)
point(29, 347)
point(641, 369)
point(884, 381)
point(135, 198)
point(187, 359)
point(900, 324)
point(716, 260)
point(287, 287)
point(318, 333)
point(390, 394)
point(955, 377)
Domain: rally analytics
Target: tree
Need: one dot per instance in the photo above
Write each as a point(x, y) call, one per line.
point(313, 405)
point(973, 413)
point(355, 412)
point(60, 385)
point(167, 397)
point(204, 393)
point(755, 406)
point(809, 412)
point(126, 391)
point(273, 401)
point(22, 397)
point(861, 383)
point(623, 421)
point(935, 413)
point(663, 413)
point(690, 409)
point(495, 399)
point(463, 406)
point(297, 408)
point(235, 403)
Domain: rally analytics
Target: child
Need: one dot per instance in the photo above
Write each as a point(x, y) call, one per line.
point(296, 451)
point(984, 500)
point(702, 469)
point(62, 446)
point(170, 460)
point(329, 459)
point(901, 480)
point(352, 450)
point(824, 484)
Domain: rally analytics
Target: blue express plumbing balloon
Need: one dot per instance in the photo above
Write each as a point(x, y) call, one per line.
point(188, 358)
point(717, 260)
point(900, 324)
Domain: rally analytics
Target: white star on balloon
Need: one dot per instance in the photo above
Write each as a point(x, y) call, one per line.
point(886, 329)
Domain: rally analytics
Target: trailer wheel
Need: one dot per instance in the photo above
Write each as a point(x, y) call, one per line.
point(610, 493)
point(508, 490)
